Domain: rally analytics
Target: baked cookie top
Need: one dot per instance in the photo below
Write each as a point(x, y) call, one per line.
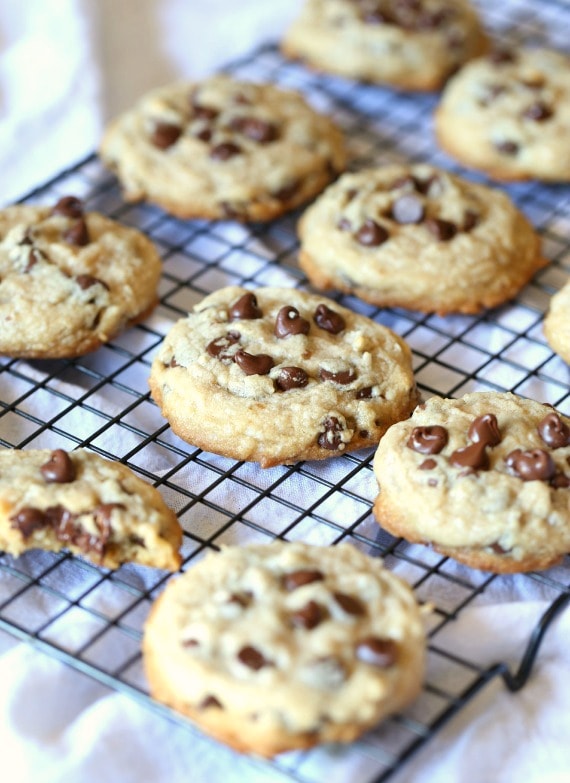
point(416, 236)
point(509, 115)
point(557, 323)
point(484, 479)
point(283, 645)
point(277, 375)
point(223, 148)
point(88, 505)
point(70, 280)
point(414, 44)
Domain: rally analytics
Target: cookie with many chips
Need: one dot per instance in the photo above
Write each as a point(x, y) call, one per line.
point(275, 647)
point(278, 375)
point(484, 479)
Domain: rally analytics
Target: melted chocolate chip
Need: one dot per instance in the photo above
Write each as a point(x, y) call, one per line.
point(343, 377)
point(377, 652)
point(59, 469)
point(364, 394)
point(255, 129)
point(309, 616)
point(327, 319)
point(560, 481)
point(428, 464)
point(331, 438)
point(531, 465)
point(473, 456)
point(218, 348)
point(68, 206)
point(349, 604)
point(428, 440)
point(210, 701)
point(252, 658)
point(538, 112)
point(296, 579)
point(245, 309)
point(165, 134)
point(202, 112)
point(254, 364)
point(289, 322)
point(554, 432)
point(225, 151)
point(507, 147)
point(204, 134)
point(485, 429)
point(87, 281)
point(27, 520)
point(442, 230)
point(78, 234)
point(408, 209)
point(287, 191)
point(291, 378)
point(371, 234)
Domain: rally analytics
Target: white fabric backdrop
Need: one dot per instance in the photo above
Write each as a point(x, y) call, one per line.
point(66, 66)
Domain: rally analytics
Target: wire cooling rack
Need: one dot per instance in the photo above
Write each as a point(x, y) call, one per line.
point(93, 619)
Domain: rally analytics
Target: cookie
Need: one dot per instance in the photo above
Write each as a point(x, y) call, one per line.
point(415, 236)
point(508, 114)
point(484, 479)
point(223, 148)
point(280, 375)
point(70, 280)
point(413, 45)
point(280, 646)
point(80, 502)
point(557, 323)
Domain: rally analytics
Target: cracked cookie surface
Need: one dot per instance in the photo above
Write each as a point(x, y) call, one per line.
point(277, 375)
point(484, 479)
point(274, 647)
point(223, 148)
point(70, 280)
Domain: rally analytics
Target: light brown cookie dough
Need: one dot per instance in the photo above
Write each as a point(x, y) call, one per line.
point(278, 375)
point(509, 115)
point(557, 323)
point(88, 505)
point(484, 479)
point(70, 280)
point(414, 45)
point(418, 237)
point(223, 148)
point(283, 646)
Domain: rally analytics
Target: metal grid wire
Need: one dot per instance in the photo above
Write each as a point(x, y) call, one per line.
point(91, 618)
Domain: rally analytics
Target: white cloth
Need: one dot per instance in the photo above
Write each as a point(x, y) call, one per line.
point(66, 66)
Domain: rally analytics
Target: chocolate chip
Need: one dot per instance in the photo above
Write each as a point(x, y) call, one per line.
point(27, 520)
point(289, 322)
point(189, 643)
point(210, 701)
point(349, 604)
point(377, 652)
point(331, 438)
point(245, 309)
point(300, 578)
point(424, 185)
point(538, 112)
point(364, 393)
point(560, 481)
point(59, 469)
point(428, 464)
point(327, 319)
point(291, 378)
point(87, 281)
point(204, 134)
point(554, 432)
point(78, 234)
point(254, 364)
point(428, 440)
point(287, 191)
point(485, 429)
point(443, 230)
point(350, 194)
point(507, 147)
point(309, 616)
point(202, 112)
point(408, 209)
point(218, 348)
point(531, 465)
point(371, 234)
point(501, 56)
point(242, 599)
point(498, 549)
point(343, 377)
point(255, 129)
point(165, 134)
point(473, 456)
point(225, 151)
point(68, 206)
point(252, 658)
point(470, 220)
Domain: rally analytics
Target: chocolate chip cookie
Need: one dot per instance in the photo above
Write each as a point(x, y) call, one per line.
point(484, 479)
point(277, 375)
point(418, 237)
point(557, 323)
point(414, 45)
point(282, 646)
point(223, 148)
point(509, 115)
point(70, 280)
point(87, 505)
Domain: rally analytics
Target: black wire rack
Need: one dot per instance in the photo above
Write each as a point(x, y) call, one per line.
point(92, 619)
